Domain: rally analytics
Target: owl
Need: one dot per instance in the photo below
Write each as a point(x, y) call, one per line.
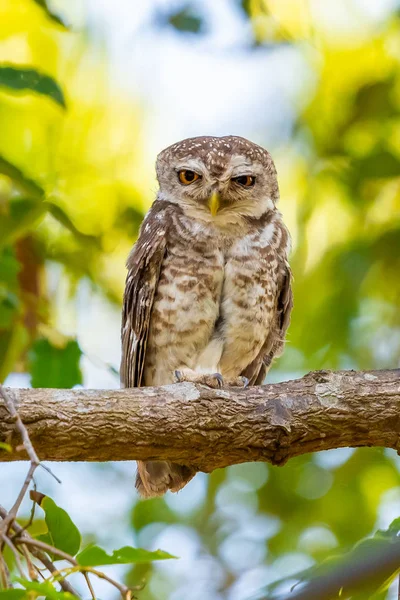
point(208, 290)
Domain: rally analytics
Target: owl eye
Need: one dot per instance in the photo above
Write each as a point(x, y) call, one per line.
point(186, 177)
point(245, 180)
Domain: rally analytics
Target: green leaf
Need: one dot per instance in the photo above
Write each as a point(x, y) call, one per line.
point(185, 20)
point(47, 539)
point(44, 5)
point(13, 595)
point(44, 588)
point(24, 183)
point(54, 367)
point(94, 556)
point(24, 214)
point(23, 79)
point(62, 531)
point(6, 447)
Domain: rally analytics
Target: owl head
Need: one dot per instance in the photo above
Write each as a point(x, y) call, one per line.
point(215, 178)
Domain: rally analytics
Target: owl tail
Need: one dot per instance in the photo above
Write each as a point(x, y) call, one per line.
point(154, 478)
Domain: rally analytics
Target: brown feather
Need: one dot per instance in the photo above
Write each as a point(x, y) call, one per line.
point(144, 266)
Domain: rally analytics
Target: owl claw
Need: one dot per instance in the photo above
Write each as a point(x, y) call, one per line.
point(219, 379)
point(246, 381)
point(215, 380)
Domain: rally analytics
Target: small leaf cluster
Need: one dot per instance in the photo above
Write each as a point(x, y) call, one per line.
point(62, 535)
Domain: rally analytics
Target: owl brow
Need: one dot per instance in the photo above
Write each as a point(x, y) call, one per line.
point(246, 169)
point(191, 164)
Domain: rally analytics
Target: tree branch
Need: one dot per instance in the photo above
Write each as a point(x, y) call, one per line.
point(205, 428)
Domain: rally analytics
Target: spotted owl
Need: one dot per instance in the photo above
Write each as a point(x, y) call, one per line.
point(208, 291)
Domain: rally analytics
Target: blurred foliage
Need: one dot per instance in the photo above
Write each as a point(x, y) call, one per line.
point(75, 183)
point(186, 20)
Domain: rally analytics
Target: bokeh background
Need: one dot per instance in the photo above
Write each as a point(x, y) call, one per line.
point(317, 83)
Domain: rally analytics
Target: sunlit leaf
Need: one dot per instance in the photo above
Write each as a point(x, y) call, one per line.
point(54, 367)
point(62, 532)
point(94, 556)
point(45, 588)
point(44, 5)
point(5, 447)
point(28, 79)
point(13, 595)
point(24, 183)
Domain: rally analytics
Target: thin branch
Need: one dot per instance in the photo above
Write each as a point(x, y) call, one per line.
point(123, 589)
point(37, 553)
point(89, 584)
point(39, 545)
point(33, 570)
point(4, 573)
point(66, 586)
point(22, 538)
point(50, 472)
point(32, 542)
point(9, 402)
point(13, 549)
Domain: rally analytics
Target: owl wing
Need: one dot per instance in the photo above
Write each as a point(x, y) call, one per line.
point(144, 266)
point(258, 369)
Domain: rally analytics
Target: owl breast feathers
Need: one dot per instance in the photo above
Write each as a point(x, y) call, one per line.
point(208, 291)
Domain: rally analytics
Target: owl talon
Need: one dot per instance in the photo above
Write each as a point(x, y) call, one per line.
point(246, 381)
point(213, 380)
point(219, 378)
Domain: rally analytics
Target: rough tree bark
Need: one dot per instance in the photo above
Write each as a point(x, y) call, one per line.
point(207, 429)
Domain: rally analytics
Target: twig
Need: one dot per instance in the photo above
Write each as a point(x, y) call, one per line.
point(13, 549)
point(50, 472)
point(37, 544)
point(66, 586)
point(89, 584)
point(123, 589)
point(38, 548)
point(33, 508)
point(32, 568)
point(9, 402)
point(29, 541)
point(5, 574)
point(37, 553)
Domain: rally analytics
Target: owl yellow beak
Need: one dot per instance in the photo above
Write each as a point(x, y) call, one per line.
point(214, 203)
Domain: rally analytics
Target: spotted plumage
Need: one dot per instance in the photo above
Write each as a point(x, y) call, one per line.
point(208, 285)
